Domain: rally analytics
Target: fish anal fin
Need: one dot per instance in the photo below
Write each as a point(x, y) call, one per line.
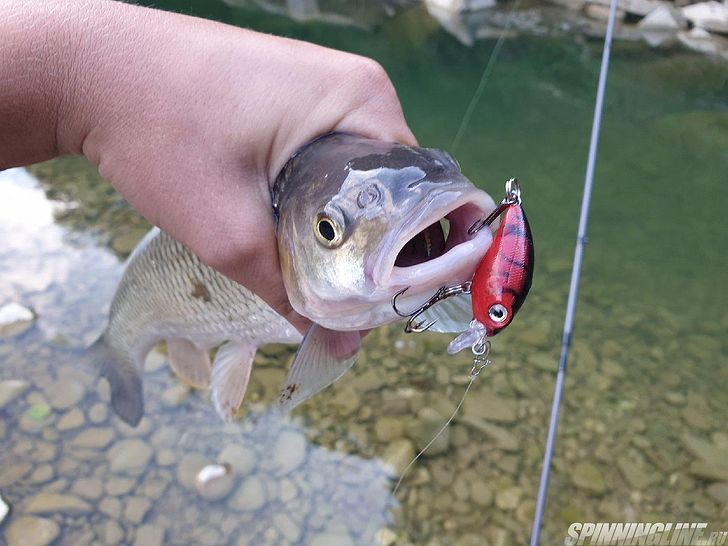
point(190, 363)
point(230, 375)
point(324, 356)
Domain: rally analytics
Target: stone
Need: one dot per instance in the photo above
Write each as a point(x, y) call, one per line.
point(94, 438)
point(480, 493)
point(502, 437)
point(111, 507)
point(117, 487)
point(487, 405)
point(175, 395)
point(589, 477)
point(397, 455)
point(10, 389)
point(289, 452)
point(287, 527)
point(53, 503)
point(149, 535)
point(215, 481)
point(507, 499)
point(130, 456)
point(424, 429)
point(711, 16)
point(42, 474)
point(165, 457)
point(600, 12)
point(250, 496)
point(388, 428)
point(663, 17)
point(699, 39)
point(718, 491)
point(136, 509)
point(98, 413)
point(239, 457)
point(71, 420)
point(188, 468)
point(331, 538)
point(635, 7)
point(385, 537)
point(65, 393)
point(88, 488)
point(112, 533)
point(635, 473)
point(346, 400)
point(32, 531)
point(14, 319)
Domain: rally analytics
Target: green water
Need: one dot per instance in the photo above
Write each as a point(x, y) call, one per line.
point(643, 435)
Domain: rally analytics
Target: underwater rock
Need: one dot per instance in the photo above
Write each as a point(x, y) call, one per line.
point(398, 455)
point(136, 509)
point(215, 481)
point(93, 438)
point(149, 535)
point(71, 420)
point(701, 40)
point(385, 537)
point(53, 503)
point(507, 499)
point(388, 428)
point(423, 429)
point(188, 469)
point(65, 393)
point(239, 457)
point(250, 496)
point(289, 452)
point(11, 389)
point(589, 477)
point(130, 457)
point(502, 437)
point(487, 405)
point(15, 319)
point(32, 531)
point(88, 488)
point(718, 491)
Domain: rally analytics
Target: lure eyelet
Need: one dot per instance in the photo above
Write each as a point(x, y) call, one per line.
point(498, 313)
point(327, 230)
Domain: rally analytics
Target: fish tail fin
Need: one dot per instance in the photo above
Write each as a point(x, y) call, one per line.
point(126, 385)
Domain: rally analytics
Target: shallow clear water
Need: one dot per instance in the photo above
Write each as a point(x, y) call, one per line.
point(643, 435)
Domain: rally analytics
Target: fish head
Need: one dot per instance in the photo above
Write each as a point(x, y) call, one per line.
point(358, 220)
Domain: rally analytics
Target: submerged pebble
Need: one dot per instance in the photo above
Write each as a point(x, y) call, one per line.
point(32, 531)
point(14, 319)
point(4, 509)
point(215, 481)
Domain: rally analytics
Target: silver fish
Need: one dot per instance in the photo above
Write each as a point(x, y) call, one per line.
point(357, 221)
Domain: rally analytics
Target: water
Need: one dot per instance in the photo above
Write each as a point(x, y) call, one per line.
point(643, 435)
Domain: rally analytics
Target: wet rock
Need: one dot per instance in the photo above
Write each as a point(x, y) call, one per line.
point(149, 535)
point(525, 511)
point(98, 413)
point(88, 488)
point(338, 537)
point(663, 18)
point(175, 395)
point(136, 509)
point(119, 486)
point(165, 457)
point(385, 537)
point(347, 400)
point(635, 473)
point(502, 437)
point(215, 481)
point(42, 474)
point(388, 428)
point(239, 457)
point(487, 405)
point(52, 503)
point(71, 420)
point(718, 491)
point(94, 438)
point(507, 499)
point(14, 319)
point(65, 393)
point(480, 493)
point(287, 527)
point(589, 477)
point(697, 417)
point(188, 468)
point(711, 16)
point(250, 496)
point(398, 455)
point(4, 509)
point(710, 454)
point(289, 451)
point(11, 389)
point(32, 531)
point(423, 429)
point(111, 507)
point(112, 533)
point(129, 456)
point(699, 39)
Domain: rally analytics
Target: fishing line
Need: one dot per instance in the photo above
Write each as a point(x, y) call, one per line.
point(575, 276)
point(484, 78)
point(477, 368)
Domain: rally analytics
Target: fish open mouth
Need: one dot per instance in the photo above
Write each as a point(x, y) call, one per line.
point(442, 252)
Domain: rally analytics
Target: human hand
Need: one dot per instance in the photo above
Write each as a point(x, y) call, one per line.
point(192, 120)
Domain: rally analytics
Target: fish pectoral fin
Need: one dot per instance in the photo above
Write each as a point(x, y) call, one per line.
point(190, 363)
point(324, 356)
point(451, 315)
point(230, 375)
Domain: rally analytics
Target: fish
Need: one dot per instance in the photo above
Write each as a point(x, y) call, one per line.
point(501, 281)
point(357, 220)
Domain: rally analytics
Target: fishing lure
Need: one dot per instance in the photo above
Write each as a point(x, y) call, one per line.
point(501, 281)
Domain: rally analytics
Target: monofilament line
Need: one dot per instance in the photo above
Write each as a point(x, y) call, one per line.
point(484, 78)
point(575, 275)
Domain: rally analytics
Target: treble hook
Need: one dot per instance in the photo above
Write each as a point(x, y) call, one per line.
point(512, 197)
point(442, 293)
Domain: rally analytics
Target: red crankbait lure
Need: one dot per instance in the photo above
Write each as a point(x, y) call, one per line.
point(501, 281)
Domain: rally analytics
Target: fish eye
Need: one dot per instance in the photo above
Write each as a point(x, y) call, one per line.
point(497, 313)
point(328, 231)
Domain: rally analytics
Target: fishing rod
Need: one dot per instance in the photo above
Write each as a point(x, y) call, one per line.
point(575, 277)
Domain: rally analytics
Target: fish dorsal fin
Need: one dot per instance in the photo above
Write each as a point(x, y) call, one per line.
point(230, 375)
point(451, 315)
point(324, 356)
point(190, 363)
